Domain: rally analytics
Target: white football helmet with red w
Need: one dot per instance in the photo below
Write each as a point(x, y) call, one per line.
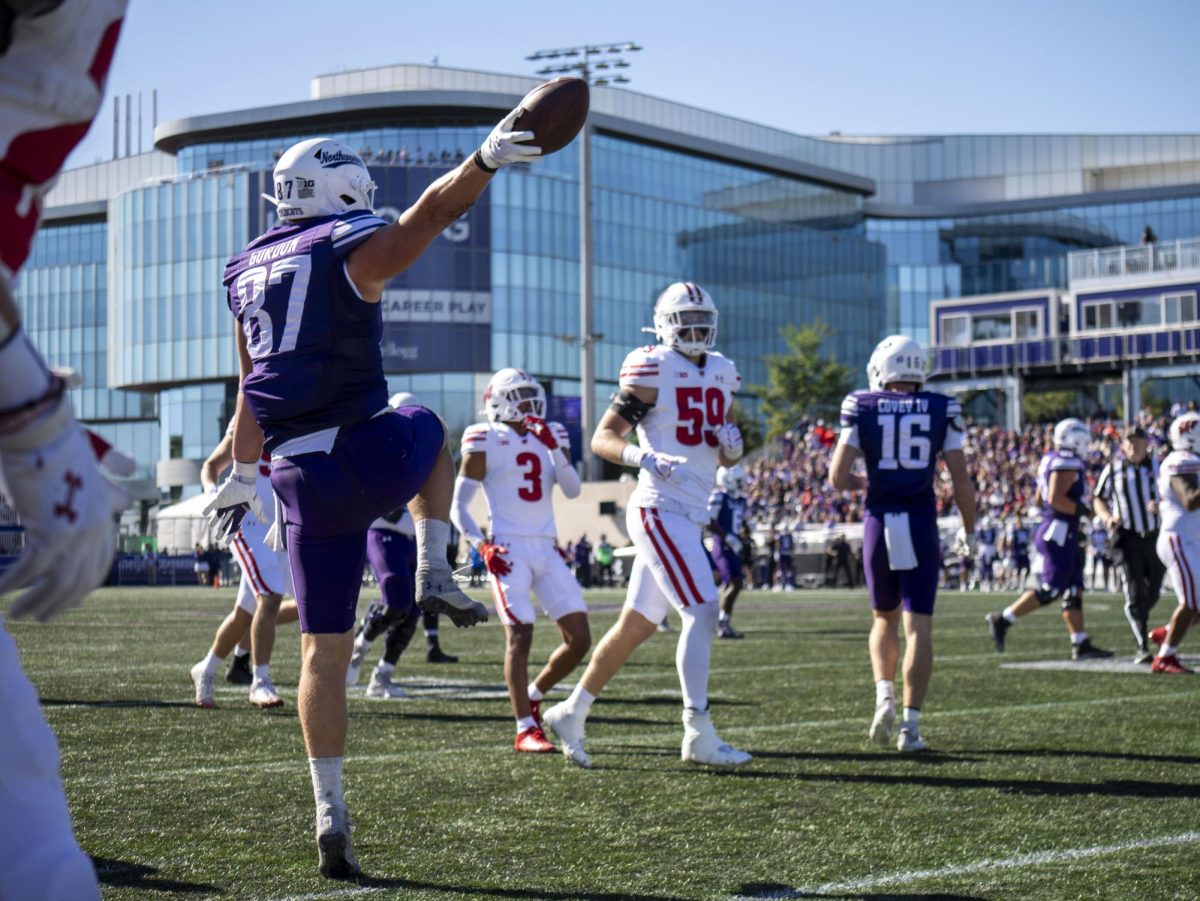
point(685, 318)
point(1185, 433)
point(513, 394)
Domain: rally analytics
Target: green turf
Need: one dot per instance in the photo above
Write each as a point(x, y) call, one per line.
point(173, 801)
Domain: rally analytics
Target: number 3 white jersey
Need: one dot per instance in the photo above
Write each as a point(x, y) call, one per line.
point(692, 402)
point(1175, 516)
point(520, 477)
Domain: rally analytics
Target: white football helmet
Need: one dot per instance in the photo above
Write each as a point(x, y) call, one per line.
point(685, 319)
point(403, 399)
point(731, 480)
point(321, 177)
point(1185, 433)
point(510, 390)
point(896, 359)
point(1072, 435)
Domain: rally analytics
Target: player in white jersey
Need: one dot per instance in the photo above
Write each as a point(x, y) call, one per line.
point(518, 458)
point(1179, 537)
point(679, 395)
point(266, 578)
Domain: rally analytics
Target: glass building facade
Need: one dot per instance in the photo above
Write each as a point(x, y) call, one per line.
point(860, 233)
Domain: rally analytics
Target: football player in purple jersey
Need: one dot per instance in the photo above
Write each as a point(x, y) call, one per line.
point(1062, 491)
point(313, 394)
point(899, 430)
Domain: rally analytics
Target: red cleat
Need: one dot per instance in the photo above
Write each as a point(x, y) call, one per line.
point(1169, 665)
point(1159, 635)
point(535, 711)
point(534, 741)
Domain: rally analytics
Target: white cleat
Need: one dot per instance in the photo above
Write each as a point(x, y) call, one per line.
point(910, 740)
point(203, 683)
point(701, 744)
point(382, 688)
point(568, 726)
point(883, 727)
point(263, 695)
point(356, 662)
point(438, 593)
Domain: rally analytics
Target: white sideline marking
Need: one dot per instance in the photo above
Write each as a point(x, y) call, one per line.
point(1104, 665)
point(335, 893)
point(982, 866)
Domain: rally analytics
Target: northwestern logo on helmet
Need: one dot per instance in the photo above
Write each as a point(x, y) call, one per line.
point(329, 159)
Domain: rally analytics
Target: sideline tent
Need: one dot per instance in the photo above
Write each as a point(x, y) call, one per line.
point(180, 527)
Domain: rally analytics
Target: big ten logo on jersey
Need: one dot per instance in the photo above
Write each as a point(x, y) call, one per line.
point(701, 412)
point(905, 426)
point(456, 232)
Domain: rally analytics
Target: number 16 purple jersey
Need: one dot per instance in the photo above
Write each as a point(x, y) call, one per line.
point(313, 340)
point(900, 436)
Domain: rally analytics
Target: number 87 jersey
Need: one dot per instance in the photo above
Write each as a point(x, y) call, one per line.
point(899, 436)
point(694, 400)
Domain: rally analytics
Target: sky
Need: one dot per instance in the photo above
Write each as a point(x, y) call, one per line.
point(854, 66)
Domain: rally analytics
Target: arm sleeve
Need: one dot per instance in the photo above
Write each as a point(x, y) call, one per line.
point(640, 370)
point(849, 421)
point(460, 510)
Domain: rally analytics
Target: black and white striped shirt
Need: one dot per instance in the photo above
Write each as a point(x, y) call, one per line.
point(1127, 488)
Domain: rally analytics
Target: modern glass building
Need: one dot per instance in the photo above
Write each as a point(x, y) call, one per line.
point(861, 233)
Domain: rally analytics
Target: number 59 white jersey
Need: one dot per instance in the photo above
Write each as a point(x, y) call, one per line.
point(692, 403)
point(520, 477)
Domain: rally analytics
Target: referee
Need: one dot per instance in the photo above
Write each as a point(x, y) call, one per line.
point(1127, 500)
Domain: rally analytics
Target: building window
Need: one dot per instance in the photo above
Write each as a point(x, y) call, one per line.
point(992, 327)
point(1097, 315)
point(956, 331)
point(1027, 324)
point(1179, 308)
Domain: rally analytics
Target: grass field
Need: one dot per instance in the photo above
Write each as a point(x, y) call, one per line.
point(1046, 783)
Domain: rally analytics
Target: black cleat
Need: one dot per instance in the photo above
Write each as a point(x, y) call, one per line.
point(436, 655)
point(998, 628)
point(1085, 650)
point(239, 671)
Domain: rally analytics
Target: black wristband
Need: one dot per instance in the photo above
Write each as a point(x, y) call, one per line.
point(478, 158)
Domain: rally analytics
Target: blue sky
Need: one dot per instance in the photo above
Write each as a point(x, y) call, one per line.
point(859, 67)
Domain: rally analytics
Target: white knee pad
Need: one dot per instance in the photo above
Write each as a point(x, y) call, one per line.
point(694, 652)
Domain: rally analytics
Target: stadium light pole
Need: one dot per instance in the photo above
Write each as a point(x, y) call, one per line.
point(593, 63)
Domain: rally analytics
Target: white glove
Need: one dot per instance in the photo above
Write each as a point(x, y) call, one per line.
point(235, 497)
point(965, 541)
point(67, 507)
point(502, 147)
point(662, 466)
point(729, 437)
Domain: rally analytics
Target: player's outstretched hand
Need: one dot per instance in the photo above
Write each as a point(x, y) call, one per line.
point(541, 431)
point(966, 542)
point(662, 466)
point(67, 507)
point(234, 498)
point(504, 146)
point(494, 559)
point(729, 437)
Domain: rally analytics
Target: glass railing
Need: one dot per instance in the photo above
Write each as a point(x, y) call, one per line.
point(1135, 260)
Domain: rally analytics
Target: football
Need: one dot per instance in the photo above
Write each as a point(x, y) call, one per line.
point(554, 111)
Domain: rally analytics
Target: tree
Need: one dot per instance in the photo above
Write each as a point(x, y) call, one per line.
point(802, 382)
point(1046, 406)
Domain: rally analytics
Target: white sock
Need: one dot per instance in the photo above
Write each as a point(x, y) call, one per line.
point(885, 692)
point(384, 668)
point(912, 716)
point(1167, 650)
point(525, 723)
point(693, 653)
point(431, 633)
point(581, 700)
point(240, 651)
point(327, 780)
point(432, 537)
point(723, 618)
point(535, 693)
point(1009, 616)
point(1078, 637)
point(211, 663)
point(262, 673)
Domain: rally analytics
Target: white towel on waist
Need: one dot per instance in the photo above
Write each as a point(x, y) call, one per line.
point(1057, 532)
point(899, 541)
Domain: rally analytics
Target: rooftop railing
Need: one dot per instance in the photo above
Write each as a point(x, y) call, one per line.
point(1135, 261)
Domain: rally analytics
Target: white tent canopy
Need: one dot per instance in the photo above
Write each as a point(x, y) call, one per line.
point(180, 527)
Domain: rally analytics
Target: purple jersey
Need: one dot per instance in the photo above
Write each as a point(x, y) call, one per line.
point(726, 512)
point(1061, 461)
point(900, 436)
point(313, 341)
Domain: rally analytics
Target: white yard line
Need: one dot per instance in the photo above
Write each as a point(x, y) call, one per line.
point(983, 866)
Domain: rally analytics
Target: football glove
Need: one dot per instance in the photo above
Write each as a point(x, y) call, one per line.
point(493, 559)
point(503, 146)
point(234, 498)
point(67, 508)
point(661, 466)
point(966, 542)
point(729, 437)
point(541, 431)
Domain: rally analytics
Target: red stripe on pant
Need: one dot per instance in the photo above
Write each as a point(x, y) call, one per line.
point(501, 600)
point(687, 573)
point(648, 525)
point(1189, 584)
point(250, 565)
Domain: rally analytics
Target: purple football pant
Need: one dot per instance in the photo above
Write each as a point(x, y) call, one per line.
point(330, 500)
point(915, 588)
point(728, 563)
point(393, 559)
point(1062, 564)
